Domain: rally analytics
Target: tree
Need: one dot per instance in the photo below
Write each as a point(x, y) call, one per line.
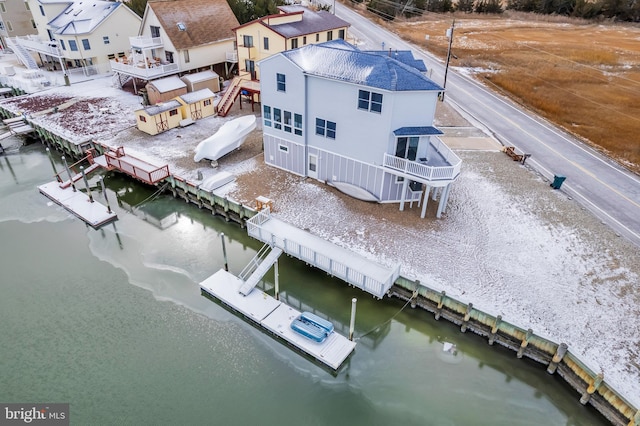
point(465, 6)
point(137, 6)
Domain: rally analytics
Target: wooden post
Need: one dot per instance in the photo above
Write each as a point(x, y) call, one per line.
point(86, 184)
point(586, 396)
point(494, 329)
point(105, 194)
point(440, 303)
point(277, 280)
point(635, 421)
point(553, 365)
point(352, 324)
point(414, 296)
point(467, 315)
point(524, 343)
point(224, 252)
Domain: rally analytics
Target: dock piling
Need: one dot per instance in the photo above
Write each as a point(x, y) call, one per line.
point(352, 324)
point(553, 365)
point(105, 194)
point(494, 329)
point(277, 280)
point(586, 396)
point(86, 184)
point(66, 166)
point(524, 343)
point(224, 252)
point(53, 165)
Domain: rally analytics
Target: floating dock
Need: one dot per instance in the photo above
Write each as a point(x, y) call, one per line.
point(275, 317)
point(78, 203)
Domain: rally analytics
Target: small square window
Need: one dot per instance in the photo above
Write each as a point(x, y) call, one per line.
point(283, 148)
point(105, 39)
point(173, 112)
point(142, 118)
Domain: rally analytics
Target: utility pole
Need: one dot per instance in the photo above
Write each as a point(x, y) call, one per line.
point(446, 68)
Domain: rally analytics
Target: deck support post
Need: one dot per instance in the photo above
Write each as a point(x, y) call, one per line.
point(105, 195)
point(553, 365)
point(352, 323)
point(443, 200)
point(224, 252)
point(66, 166)
point(425, 201)
point(276, 279)
point(405, 183)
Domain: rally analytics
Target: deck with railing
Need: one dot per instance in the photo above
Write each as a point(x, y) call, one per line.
point(35, 43)
point(144, 71)
point(139, 169)
point(442, 165)
point(337, 261)
point(146, 42)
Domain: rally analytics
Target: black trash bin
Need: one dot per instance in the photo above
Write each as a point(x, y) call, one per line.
point(557, 181)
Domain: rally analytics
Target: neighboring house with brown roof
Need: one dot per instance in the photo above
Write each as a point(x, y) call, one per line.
point(181, 36)
point(295, 26)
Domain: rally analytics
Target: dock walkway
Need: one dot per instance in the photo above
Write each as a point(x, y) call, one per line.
point(275, 317)
point(356, 270)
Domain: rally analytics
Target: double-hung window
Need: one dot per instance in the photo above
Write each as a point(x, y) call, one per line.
point(370, 101)
point(281, 82)
point(325, 128)
point(287, 121)
point(297, 124)
point(266, 115)
point(73, 45)
point(247, 41)
point(85, 44)
point(277, 118)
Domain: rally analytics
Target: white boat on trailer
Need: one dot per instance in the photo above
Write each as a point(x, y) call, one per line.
point(230, 136)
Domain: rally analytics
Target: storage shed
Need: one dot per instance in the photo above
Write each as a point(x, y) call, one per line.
point(202, 80)
point(197, 105)
point(158, 118)
point(165, 89)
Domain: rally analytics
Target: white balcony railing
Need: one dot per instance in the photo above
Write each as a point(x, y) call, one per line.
point(143, 71)
point(145, 42)
point(232, 56)
point(425, 171)
point(35, 43)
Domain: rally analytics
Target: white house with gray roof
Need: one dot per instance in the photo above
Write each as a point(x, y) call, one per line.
point(360, 121)
point(78, 34)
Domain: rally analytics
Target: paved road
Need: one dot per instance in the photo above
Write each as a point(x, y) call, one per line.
point(611, 192)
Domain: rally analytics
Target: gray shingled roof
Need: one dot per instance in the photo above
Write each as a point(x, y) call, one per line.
point(341, 61)
point(82, 17)
point(198, 95)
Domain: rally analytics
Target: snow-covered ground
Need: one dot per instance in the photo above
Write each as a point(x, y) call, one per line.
point(508, 243)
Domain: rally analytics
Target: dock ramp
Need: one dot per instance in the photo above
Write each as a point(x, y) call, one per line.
point(258, 267)
point(339, 262)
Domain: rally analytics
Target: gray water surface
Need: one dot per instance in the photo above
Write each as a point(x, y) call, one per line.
point(112, 322)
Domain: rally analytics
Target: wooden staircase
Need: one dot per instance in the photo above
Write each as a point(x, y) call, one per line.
point(229, 97)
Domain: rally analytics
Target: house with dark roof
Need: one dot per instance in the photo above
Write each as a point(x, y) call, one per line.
point(295, 26)
point(179, 37)
point(77, 34)
point(359, 121)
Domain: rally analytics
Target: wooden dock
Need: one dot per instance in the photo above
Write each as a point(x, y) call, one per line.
point(275, 317)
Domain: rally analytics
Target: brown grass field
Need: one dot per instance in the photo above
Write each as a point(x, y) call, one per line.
point(583, 76)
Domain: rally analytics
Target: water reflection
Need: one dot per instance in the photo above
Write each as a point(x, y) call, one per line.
point(407, 368)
